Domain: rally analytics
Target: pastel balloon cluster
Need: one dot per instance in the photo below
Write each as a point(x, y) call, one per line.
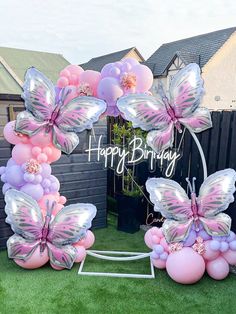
point(121, 78)
point(29, 171)
point(186, 262)
point(83, 83)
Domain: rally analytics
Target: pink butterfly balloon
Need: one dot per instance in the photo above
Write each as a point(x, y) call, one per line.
point(161, 114)
point(55, 234)
point(61, 116)
point(182, 213)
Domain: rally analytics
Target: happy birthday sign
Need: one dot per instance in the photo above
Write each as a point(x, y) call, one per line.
point(136, 151)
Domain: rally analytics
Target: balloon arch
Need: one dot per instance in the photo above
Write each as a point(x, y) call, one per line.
point(195, 235)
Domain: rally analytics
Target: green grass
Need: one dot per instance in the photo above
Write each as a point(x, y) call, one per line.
point(47, 291)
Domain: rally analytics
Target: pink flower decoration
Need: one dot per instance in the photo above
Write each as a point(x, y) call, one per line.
point(85, 90)
point(174, 247)
point(128, 80)
point(199, 246)
point(32, 166)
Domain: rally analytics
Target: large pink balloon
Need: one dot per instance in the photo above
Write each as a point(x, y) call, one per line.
point(81, 254)
point(36, 260)
point(148, 239)
point(13, 137)
point(22, 153)
point(41, 139)
point(158, 263)
point(92, 78)
point(218, 269)
point(109, 89)
point(74, 69)
point(209, 254)
point(185, 266)
point(230, 257)
point(144, 78)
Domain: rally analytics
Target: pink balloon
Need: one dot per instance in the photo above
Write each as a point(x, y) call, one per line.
point(158, 263)
point(41, 139)
point(74, 79)
point(74, 69)
point(218, 269)
point(185, 266)
point(154, 231)
point(144, 78)
point(63, 82)
point(42, 158)
point(62, 200)
point(56, 267)
point(109, 89)
point(13, 137)
point(36, 260)
point(43, 203)
point(148, 239)
point(21, 153)
point(86, 242)
point(92, 78)
point(55, 154)
point(65, 73)
point(230, 257)
point(36, 151)
point(81, 254)
point(209, 254)
point(155, 239)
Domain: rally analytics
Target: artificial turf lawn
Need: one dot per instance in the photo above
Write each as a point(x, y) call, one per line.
point(47, 291)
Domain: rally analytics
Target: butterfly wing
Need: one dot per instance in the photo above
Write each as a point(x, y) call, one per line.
point(216, 193)
point(39, 94)
point(198, 121)
point(23, 214)
point(186, 90)
point(20, 248)
point(160, 140)
point(26, 123)
point(65, 141)
point(144, 111)
point(169, 198)
point(218, 225)
point(63, 256)
point(176, 231)
point(71, 223)
point(79, 114)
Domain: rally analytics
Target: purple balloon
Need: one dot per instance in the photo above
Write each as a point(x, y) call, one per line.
point(38, 178)
point(154, 255)
point(164, 256)
point(224, 246)
point(190, 239)
point(3, 178)
point(114, 72)
point(204, 235)
point(158, 249)
point(29, 177)
point(232, 245)
point(14, 175)
point(2, 170)
point(33, 190)
point(11, 162)
point(231, 236)
point(106, 69)
point(46, 183)
point(46, 170)
point(215, 245)
point(6, 187)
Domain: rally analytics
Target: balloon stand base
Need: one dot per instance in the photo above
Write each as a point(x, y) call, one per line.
point(123, 256)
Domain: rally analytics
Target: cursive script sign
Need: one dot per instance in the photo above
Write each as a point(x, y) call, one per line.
point(116, 157)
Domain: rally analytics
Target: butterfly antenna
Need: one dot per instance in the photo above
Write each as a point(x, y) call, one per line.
point(189, 185)
point(193, 184)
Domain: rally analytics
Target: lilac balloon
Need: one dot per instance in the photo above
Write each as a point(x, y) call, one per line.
point(34, 190)
point(231, 236)
point(2, 170)
point(46, 170)
point(109, 89)
point(154, 255)
point(224, 246)
point(106, 69)
point(232, 245)
point(11, 162)
point(164, 256)
point(55, 184)
point(215, 245)
point(6, 187)
point(46, 183)
point(204, 235)
point(46, 191)
point(14, 175)
point(131, 61)
point(29, 177)
point(38, 178)
point(3, 178)
point(114, 72)
point(158, 249)
point(190, 239)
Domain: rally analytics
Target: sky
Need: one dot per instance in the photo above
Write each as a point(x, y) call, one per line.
point(81, 30)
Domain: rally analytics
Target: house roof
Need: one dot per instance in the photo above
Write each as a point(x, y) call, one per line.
point(198, 49)
point(15, 62)
point(98, 63)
